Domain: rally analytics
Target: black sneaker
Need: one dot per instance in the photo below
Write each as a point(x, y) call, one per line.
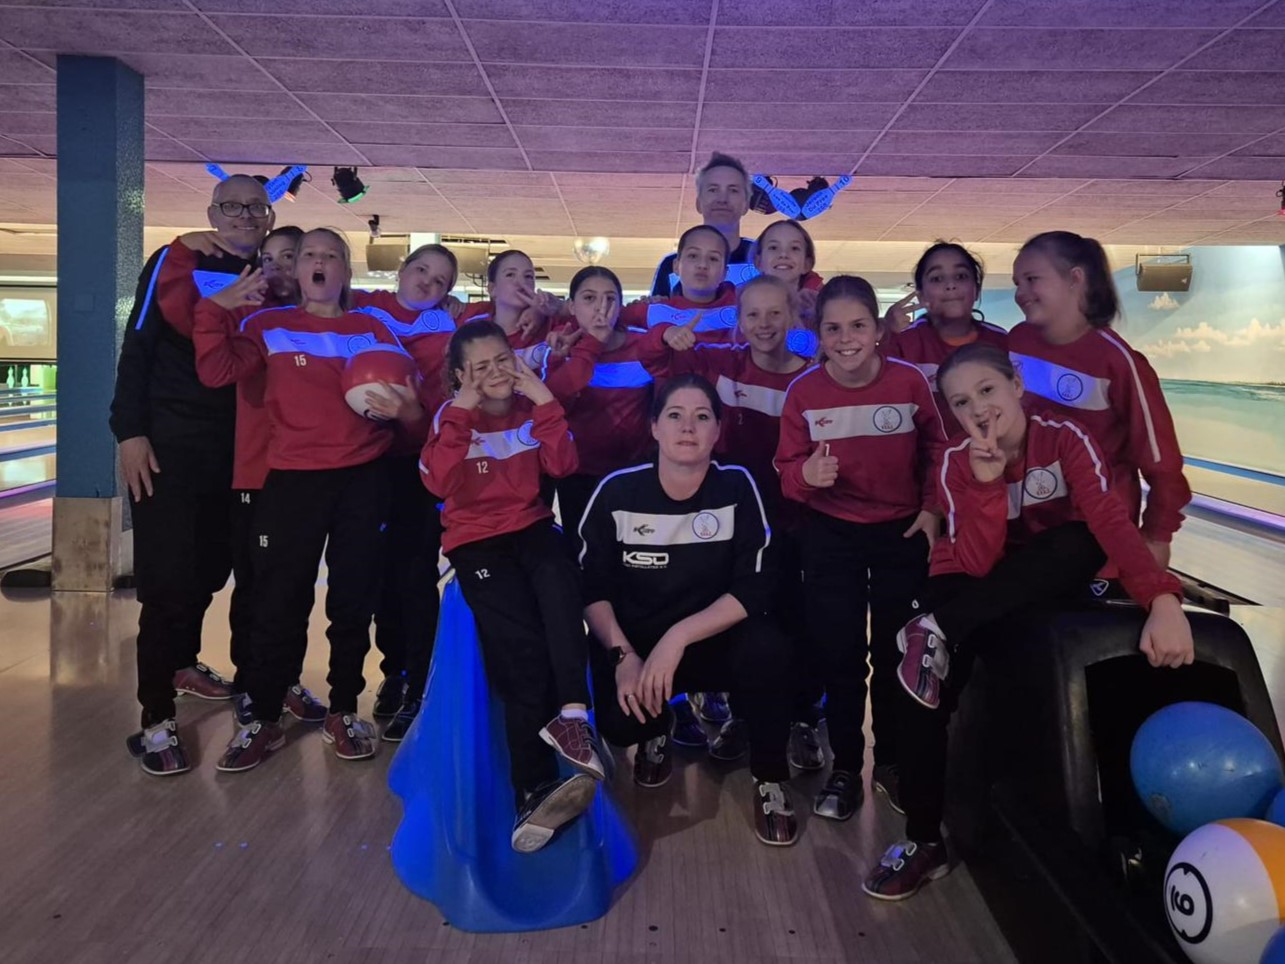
point(687, 729)
point(550, 808)
point(712, 707)
point(396, 731)
point(886, 779)
point(732, 742)
point(654, 761)
point(840, 797)
point(388, 698)
point(774, 820)
point(805, 752)
point(158, 749)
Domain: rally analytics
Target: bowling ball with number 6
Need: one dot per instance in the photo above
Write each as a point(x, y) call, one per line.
point(1224, 889)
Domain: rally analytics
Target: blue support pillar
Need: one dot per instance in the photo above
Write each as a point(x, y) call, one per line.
point(100, 247)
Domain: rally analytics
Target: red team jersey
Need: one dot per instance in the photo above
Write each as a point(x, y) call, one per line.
point(923, 347)
point(485, 311)
point(886, 435)
point(1062, 477)
point(303, 357)
point(1112, 390)
point(718, 321)
point(487, 467)
point(607, 396)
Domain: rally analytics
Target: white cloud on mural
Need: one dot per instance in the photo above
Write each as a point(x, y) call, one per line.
point(1164, 302)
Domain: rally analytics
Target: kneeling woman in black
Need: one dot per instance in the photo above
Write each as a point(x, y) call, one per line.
point(676, 591)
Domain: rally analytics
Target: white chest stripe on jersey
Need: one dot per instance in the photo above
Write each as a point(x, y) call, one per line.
point(713, 319)
point(1042, 483)
point(769, 401)
point(1063, 385)
point(503, 445)
point(323, 344)
point(860, 421)
point(650, 529)
point(430, 322)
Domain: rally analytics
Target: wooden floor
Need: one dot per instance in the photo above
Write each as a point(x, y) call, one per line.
point(102, 864)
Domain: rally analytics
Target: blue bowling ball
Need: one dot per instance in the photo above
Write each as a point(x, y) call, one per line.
point(1274, 952)
point(1193, 763)
point(1276, 812)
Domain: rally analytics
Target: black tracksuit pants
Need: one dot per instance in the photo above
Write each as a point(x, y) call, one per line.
point(850, 568)
point(182, 557)
point(406, 620)
point(1053, 568)
point(524, 593)
point(300, 514)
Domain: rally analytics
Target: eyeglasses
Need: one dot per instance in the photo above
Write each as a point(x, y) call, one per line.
point(234, 209)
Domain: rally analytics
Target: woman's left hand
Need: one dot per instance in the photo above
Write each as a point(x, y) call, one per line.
point(927, 523)
point(1166, 635)
point(657, 683)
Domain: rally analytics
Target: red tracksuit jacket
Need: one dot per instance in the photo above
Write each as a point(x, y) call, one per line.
point(1063, 477)
point(887, 436)
point(1112, 391)
point(302, 356)
point(717, 324)
point(487, 467)
point(923, 347)
point(485, 310)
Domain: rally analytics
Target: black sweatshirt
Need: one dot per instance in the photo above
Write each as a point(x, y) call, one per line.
point(658, 561)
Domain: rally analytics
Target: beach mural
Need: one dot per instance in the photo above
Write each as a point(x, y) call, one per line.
point(1219, 350)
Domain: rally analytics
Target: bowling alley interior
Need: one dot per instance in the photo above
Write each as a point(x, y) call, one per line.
point(864, 415)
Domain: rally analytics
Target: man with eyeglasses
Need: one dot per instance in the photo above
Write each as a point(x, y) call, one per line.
point(176, 445)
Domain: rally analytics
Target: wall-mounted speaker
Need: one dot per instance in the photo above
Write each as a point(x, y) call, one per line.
point(1163, 272)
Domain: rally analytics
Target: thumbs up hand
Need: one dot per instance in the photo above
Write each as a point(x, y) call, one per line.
point(683, 337)
point(821, 470)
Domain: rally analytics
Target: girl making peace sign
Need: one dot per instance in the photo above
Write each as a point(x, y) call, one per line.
point(1030, 517)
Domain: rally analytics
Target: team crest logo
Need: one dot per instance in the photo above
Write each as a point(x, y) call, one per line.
point(526, 435)
point(887, 419)
point(1040, 483)
point(360, 343)
point(705, 525)
point(1070, 387)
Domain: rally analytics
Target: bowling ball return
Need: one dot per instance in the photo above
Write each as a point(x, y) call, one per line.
point(1040, 801)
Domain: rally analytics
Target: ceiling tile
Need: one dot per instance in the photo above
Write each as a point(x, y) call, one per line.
point(1272, 17)
point(15, 68)
point(419, 156)
point(1245, 188)
point(600, 113)
point(848, 143)
point(1070, 165)
point(27, 97)
point(12, 146)
point(110, 32)
point(1214, 87)
point(996, 117)
point(1081, 50)
point(929, 165)
point(1168, 189)
point(865, 47)
point(612, 140)
point(1259, 119)
point(28, 123)
point(1243, 168)
point(739, 116)
point(196, 71)
point(499, 187)
point(1112, 13)
point(245, 129)
point(1030, 87)
point(630, 182)
point(265, 151)
point(403, 108)
point(591, 44)
point(1144, 145)
point(339, 38)
point(824, 13)
point(585, 161)
point(450, 176)
point(1240, 50)
point(346, 77)
point(433, 135)
point(232, 104)
point(808, 86)
point(164, 149)
point(29, 143)
point(360, 8)
point(1272, 146)
point(953, 142)
point(582, 11)
point(599, 83)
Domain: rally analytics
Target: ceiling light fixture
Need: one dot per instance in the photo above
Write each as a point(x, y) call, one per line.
point(351, 188)
point(591, 250)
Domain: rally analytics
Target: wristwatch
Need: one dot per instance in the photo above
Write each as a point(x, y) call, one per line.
point(618, 654)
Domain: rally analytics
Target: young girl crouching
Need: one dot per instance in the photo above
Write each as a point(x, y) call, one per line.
point(485, 453)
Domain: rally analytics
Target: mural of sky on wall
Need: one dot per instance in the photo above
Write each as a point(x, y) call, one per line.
point(1219, 349)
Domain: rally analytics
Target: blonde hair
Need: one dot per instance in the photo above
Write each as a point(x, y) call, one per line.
point(345, 296)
